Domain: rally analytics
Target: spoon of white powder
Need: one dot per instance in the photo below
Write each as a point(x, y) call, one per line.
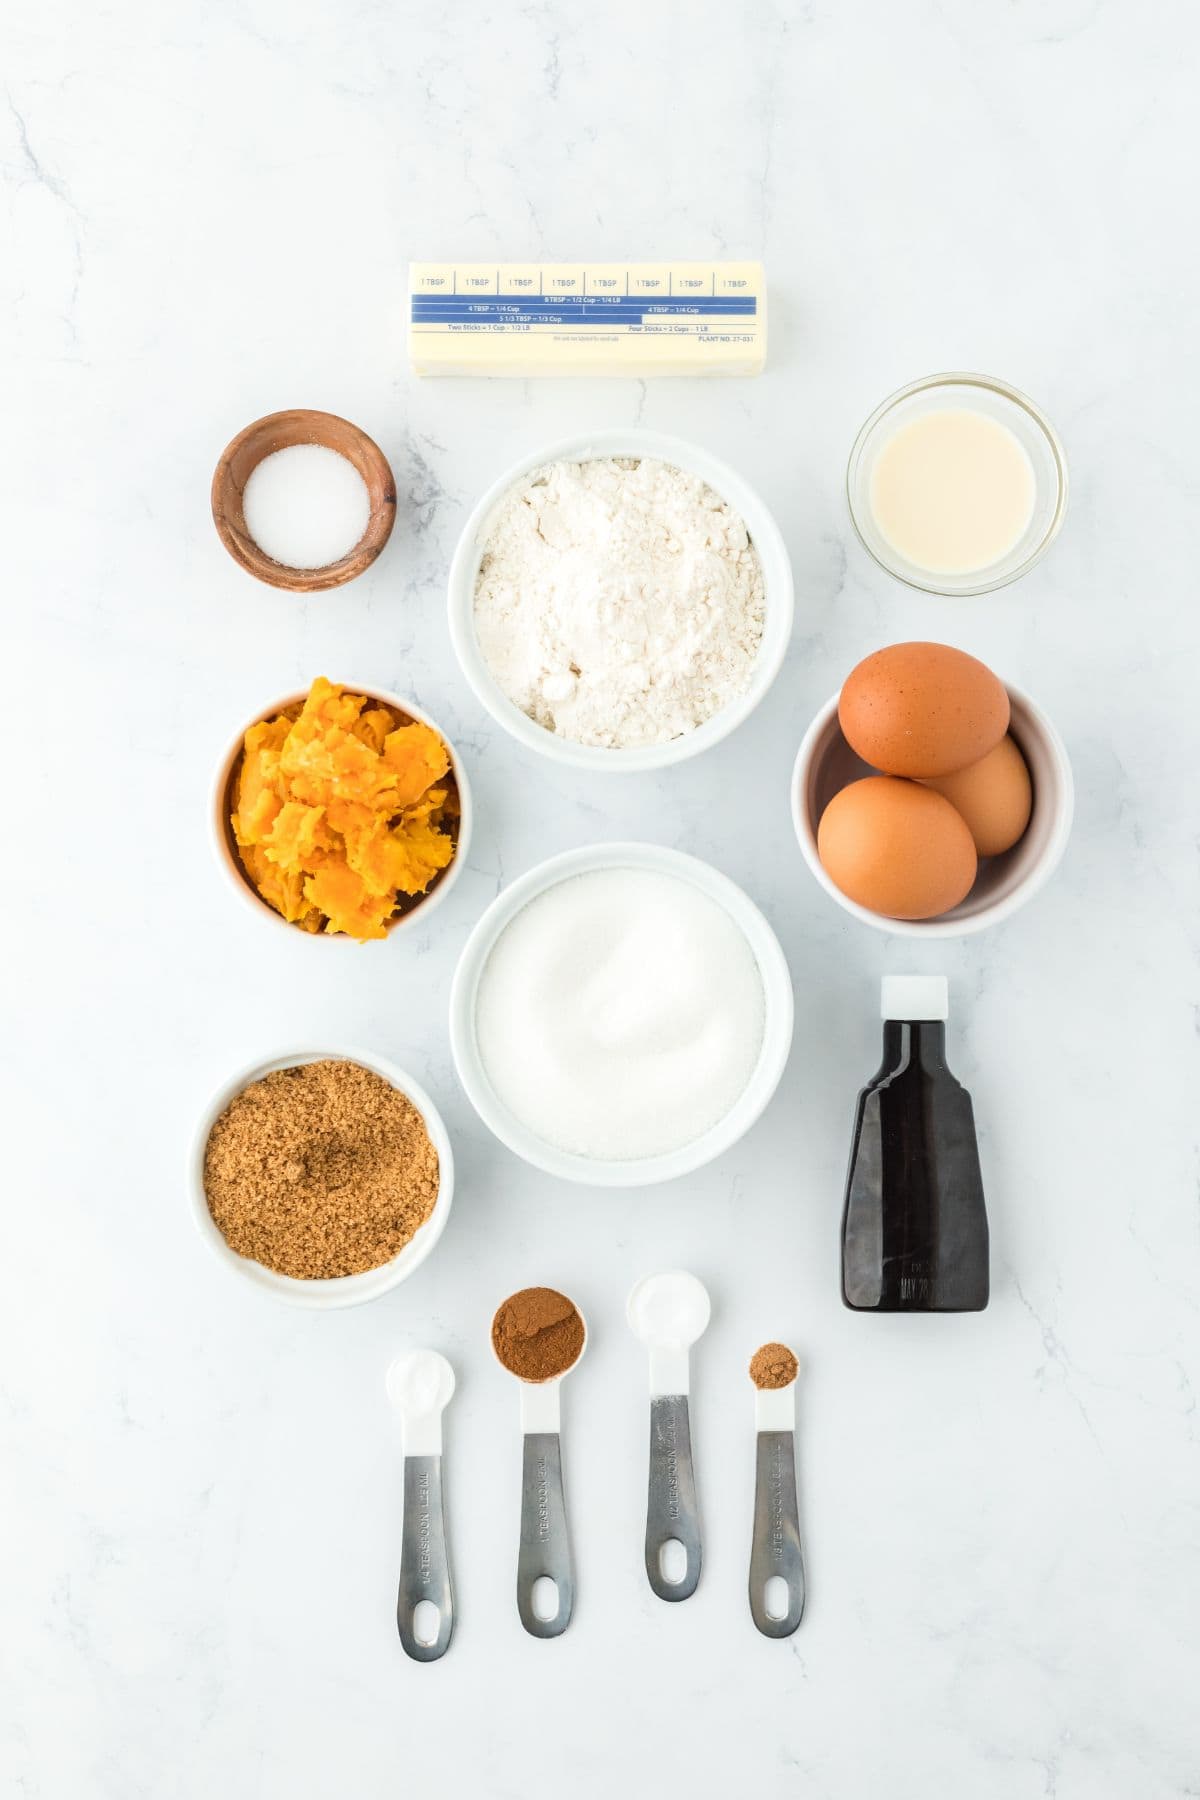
point(620, 1015)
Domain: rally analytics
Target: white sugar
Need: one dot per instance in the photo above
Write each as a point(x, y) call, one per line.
point(306, 506)
point(620, 1014)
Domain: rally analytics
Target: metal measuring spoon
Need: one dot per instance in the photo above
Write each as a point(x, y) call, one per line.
point(545, 1549)
point(419, 1386)
point(775, 1552)
point(668, 1313)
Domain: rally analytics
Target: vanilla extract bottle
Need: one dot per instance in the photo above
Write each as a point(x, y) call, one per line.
point(914, 1229)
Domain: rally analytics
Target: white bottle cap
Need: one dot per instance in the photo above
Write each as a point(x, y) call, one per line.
point(914, 997)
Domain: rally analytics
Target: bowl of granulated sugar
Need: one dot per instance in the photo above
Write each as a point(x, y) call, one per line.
point(321, 1177)
point(620, 601)
point(621, 1015)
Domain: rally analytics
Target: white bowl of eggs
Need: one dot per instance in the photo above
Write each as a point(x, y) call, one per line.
point(930, 798)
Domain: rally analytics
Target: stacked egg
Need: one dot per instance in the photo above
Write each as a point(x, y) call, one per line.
point(952, 784)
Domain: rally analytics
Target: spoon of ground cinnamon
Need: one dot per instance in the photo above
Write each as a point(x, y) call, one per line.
point(539, 1335)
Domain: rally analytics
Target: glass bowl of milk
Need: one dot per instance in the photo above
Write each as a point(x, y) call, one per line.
point(957, 484)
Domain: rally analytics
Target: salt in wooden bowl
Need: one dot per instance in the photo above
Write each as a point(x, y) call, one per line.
point(280, 431)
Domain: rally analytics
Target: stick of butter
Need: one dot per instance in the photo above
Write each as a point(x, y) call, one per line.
point(639, 319)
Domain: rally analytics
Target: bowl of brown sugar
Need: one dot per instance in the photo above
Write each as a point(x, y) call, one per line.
point(323, 1178)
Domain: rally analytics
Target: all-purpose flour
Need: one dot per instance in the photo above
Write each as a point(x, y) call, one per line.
point(619, 600)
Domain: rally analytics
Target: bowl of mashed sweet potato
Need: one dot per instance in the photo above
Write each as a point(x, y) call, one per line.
point(343, 812)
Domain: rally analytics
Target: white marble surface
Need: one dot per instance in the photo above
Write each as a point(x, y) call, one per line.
point(207, 212)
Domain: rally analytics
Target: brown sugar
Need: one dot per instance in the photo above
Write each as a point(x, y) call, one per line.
point(773, 1366)
point(320, 1170)
point(537, 1334)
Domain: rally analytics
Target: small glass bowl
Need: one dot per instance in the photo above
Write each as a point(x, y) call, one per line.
point(995, 400)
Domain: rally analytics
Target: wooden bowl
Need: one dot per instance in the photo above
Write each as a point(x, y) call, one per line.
point(279, 431)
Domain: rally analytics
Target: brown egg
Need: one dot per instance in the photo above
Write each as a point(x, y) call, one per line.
point(922, 709)
point(994, 796)
point(897, 848)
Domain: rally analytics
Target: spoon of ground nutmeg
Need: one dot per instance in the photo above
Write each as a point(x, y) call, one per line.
point(776, 1558)
point(539, 1335)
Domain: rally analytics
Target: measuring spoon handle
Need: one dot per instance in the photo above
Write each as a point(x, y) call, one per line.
point(545, 1546)
point(672, 1508)
point(776, 1547)
point(424, 1564)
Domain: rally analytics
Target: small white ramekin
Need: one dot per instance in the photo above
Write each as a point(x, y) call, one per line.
point(777, 1025)
point(343, 1290)
point(826, 763)
point(777, 588)
point(226, 850)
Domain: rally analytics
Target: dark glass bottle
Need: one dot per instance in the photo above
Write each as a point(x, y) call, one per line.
point(914, 1230)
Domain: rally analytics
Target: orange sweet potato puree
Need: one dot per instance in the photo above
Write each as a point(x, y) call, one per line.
point(340, 809)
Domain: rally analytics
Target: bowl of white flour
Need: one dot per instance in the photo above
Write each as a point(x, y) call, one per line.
point(620, 601)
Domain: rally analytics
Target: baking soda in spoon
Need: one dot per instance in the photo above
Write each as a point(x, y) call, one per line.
point(306, 506)
point(420, 1386)
point(668, 1313)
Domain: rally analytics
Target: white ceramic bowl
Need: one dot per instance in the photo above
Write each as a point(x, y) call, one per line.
point(777, 587)
point(777, 1031)
point(226, 850)
point(826, 763)
point(344, 1290)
